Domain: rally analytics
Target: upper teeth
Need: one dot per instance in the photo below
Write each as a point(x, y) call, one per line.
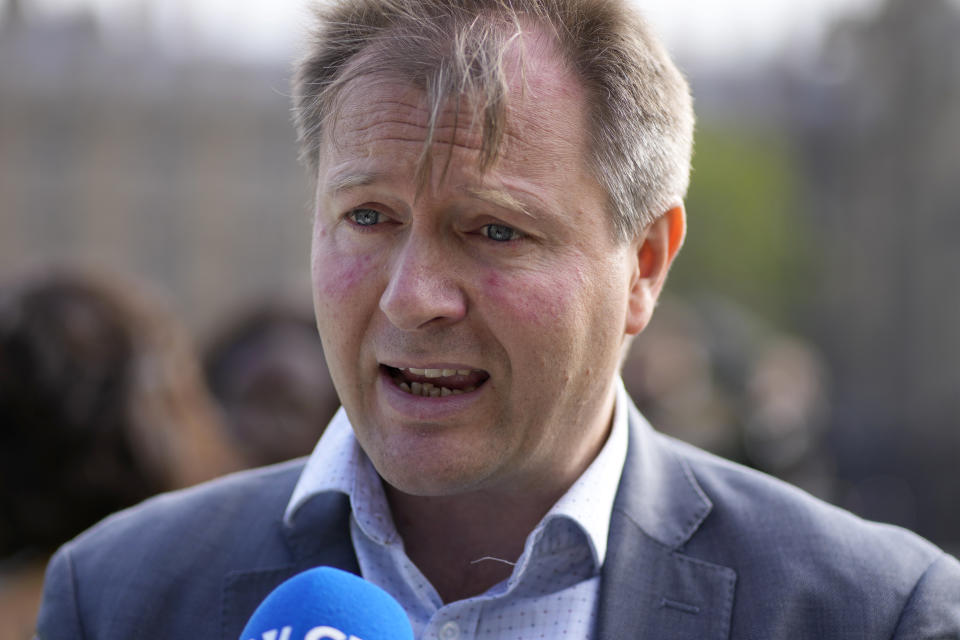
point(437, 373)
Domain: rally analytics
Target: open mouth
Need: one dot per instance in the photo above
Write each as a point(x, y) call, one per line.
point(436, 383)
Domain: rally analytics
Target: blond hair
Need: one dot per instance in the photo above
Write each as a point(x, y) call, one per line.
point(640, 111)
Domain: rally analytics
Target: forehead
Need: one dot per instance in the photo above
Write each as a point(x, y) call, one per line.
point(545, 125)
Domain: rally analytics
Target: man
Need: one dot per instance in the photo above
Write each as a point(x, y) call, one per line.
point(499, 198)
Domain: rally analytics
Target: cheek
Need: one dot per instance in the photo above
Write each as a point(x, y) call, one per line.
point(339, 276)
point(537, 299)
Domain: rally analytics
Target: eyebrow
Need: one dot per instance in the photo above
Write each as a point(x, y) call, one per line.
point(496, 197)
point(499, 198)
point(339, 184)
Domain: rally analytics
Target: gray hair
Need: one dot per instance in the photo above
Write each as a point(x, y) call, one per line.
point(640, 111)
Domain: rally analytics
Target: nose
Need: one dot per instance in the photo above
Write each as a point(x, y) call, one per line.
point(423, 289)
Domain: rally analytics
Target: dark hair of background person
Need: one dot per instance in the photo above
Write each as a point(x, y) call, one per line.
point(268, 371)
point(101, 406)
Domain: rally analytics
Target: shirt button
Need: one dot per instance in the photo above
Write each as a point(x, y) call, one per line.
point(450, 631)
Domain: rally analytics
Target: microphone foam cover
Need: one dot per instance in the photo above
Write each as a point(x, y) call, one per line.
point(328, 604)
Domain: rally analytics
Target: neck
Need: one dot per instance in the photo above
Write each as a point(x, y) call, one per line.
point(467, 543)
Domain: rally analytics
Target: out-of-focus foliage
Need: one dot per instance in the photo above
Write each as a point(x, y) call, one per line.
point(745, 237)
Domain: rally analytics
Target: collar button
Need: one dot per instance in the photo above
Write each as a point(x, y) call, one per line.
point(449, 631)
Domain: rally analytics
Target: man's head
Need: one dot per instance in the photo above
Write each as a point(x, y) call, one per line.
point(463, 242)
point(640, 115)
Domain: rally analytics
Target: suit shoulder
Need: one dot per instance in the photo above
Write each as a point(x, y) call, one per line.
point(770, 514)
point(801, 561)
point(242, 499)
point(176, 548)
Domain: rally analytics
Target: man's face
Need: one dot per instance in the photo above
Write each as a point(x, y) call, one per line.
point(509, 286)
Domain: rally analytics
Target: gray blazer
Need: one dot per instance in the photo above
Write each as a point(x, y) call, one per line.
point(699, 548)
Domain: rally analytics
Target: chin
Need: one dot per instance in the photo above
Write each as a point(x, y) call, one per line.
point(430, 462)
point(419, 480)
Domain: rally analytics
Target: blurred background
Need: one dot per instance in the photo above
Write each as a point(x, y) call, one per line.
point(811, 326)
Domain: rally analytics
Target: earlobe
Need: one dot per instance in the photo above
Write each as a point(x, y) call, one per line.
point(655, 250)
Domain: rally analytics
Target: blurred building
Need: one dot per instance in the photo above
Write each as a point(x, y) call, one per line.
point(882, 159)
point(182, 171)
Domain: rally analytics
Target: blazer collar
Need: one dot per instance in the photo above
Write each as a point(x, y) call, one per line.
point(658, 491)
point(649, 588)
point(318, 535)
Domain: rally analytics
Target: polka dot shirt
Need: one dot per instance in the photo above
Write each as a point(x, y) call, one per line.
point(553, 589)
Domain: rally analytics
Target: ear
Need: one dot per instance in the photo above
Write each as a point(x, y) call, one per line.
point(654, 248)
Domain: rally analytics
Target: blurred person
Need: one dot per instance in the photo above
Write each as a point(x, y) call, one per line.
point(710, 373)
point(671, 375)
point(499, 198)
point(268, 373)
point(101, 406)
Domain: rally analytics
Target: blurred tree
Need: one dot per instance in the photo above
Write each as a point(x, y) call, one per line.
point(745, 239)
point(11, 13)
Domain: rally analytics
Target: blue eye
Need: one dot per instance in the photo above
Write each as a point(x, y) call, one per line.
point(500, 232)
point(365, 217)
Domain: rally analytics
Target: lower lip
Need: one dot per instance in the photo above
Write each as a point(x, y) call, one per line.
point(426, 409)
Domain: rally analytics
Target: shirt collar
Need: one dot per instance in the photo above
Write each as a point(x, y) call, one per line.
point(589, 502)
point(339, 464)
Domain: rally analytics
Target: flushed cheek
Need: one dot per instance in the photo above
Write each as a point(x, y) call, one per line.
point(531, 299)
point(339, 276)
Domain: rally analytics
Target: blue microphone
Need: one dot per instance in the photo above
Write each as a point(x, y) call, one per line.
point(328, 604)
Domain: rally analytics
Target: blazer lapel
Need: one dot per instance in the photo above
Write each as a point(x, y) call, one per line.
point(318, 536)
point(649, 588)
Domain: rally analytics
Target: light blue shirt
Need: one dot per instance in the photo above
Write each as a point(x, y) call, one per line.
point(553, 589)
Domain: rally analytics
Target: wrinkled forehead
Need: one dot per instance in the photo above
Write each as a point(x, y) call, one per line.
point(539, 96)
point(376, 106)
